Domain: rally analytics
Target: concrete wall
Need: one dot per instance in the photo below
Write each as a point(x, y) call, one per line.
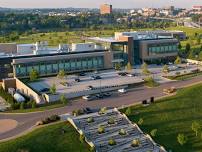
point(27, 91)
point(9, 83)
point(8, 48)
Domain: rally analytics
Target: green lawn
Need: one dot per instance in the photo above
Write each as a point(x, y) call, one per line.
point(47, 139)
point(171, 116)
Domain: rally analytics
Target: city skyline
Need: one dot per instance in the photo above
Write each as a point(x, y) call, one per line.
point(96, 4)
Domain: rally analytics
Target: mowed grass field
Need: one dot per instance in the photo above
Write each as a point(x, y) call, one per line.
point(47, 139)
point(171, 116)
point(68, 37)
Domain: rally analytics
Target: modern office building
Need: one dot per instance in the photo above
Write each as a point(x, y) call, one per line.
point(100, 53)
point(105, 9)
point(137, 47)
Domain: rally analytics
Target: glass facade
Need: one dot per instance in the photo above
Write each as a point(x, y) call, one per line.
point(53, 67)
point(162, 48)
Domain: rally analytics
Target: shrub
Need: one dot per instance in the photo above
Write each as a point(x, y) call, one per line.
point(54, 118)
point(140, 122)
point(128, 111)
point(77, 112)
point(111, 121)
point(90, 120)
point(182, 139)
point(34, 104)
point(101, 130)
point(122, 132)
point(15, 106)
point(153, 132)
point(22, 105)
point(103, 110)
point(112, 142)
point(135, 143)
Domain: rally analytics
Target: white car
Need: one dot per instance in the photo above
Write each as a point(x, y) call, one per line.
point(122, 90)
point(88, 98)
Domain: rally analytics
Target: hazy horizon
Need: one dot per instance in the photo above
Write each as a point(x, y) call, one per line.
point(96, 4)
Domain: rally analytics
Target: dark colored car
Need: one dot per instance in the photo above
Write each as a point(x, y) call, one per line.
point(90, 87)
point(100, 96)
point(95, 77)
point(122, 73)
point(82, 74)
point(77, 80)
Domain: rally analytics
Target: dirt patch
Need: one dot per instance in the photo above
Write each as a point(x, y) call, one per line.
point(7, 125)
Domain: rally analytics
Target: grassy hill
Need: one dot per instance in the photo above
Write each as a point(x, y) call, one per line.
point(171, 116)
point(47, 139)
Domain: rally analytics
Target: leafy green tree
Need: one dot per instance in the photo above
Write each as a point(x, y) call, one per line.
point(195, 127)
point(145, 69)
point(179, 46)
point(128, 111)
point(128, 66)
point(153, 132)
point(140, 121)
point(53, 89)
point(200, 56)
point(63, 99)
point(33, 104)
point(117, 66)
point(182, 139)
point(178, 60)
point(22, 105)
point(165, 69)
point(61, 74)
point(188, 47)
point(198, 40)
point(33, 75)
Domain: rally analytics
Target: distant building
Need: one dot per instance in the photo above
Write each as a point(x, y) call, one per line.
point(105, 9)
point(197, 8)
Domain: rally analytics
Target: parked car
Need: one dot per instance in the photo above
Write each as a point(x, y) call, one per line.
point(131, 75)
point(88, 98)
point(100, 96)
point(123, 73)
point(90, 87)
point(107, 94)
point(122, 90)
point(82, 74)
point(96, 77)
point(77, 80)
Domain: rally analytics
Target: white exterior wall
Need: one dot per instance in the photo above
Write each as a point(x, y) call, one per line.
point(83, 47)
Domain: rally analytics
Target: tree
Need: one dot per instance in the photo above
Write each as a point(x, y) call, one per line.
point(145, 69)
point(179, 46)
point(140, 121)
point(117, 66)
point(128, 111)
point(53, 89)
point(195, 127)
point(178, 60)
point(200, 56)
point(188, 47)
point(61, 74)
point(198, 40)
point(22, 105)
point(33, 75)
point(33, 104)
point(153, 132)
point(165, 69)
point(182, 139)
point(63, 99)
point(128, 66)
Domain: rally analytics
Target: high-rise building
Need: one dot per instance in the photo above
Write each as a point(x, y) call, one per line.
point(105, 9)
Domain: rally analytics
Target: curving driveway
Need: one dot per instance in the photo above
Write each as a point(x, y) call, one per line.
point(27, 121)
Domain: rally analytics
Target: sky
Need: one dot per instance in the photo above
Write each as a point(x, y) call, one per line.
point(96, 3)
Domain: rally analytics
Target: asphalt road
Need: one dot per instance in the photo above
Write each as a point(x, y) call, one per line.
point(27, 121)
